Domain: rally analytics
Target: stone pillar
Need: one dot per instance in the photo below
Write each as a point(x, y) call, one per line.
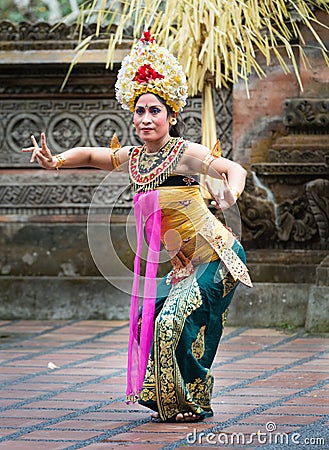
point(317, 316)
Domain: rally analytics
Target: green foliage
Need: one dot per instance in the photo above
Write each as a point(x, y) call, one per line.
point(36, 10)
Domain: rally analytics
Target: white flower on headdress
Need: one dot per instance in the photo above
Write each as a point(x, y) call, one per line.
point(150, 68)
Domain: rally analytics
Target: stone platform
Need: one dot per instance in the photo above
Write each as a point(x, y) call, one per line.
point(271, 391)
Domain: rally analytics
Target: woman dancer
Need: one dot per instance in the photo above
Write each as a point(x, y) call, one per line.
point(174, 337)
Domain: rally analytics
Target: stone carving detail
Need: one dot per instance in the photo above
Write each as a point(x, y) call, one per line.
point(257, 213)
point(292, 169)
point(41, 35)
point(66, 131)
point(307, 114)
point(258, 219)
point(45, 195)
point(64, 196)
point(68, 123)
point(317, 192)
point(298, 162)
point(291, 221)
point(223, 106)
point(297, 156)
point(302, 220)
point(102, 128)
point(296, 221)
point(116, 196)
point(192, 122)
point(18, 130)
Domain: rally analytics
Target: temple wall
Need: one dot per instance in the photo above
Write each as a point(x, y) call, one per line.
point(56, 260)
point(281, 134)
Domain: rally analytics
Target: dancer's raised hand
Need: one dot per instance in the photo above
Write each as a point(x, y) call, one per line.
point(225, 198)
point(41, 154)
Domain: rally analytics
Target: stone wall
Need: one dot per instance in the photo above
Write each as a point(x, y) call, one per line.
point(281, 133)
point(48, 267)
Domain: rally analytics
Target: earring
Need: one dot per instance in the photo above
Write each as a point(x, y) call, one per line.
point(134, 126)
point(173, 121)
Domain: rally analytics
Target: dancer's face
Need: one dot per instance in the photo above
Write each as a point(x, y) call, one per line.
point(151, 118)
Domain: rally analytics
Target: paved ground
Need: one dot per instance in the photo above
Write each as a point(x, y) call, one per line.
point(271, 391)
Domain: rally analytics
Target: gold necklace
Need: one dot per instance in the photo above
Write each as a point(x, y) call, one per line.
point(148, 170)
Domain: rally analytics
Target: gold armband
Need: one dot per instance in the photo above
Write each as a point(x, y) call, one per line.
point(115, 146)
point(215, 153)
point(60, 161)
point(206, 163)
point(115, 160)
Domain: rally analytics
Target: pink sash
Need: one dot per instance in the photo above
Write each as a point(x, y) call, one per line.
point(147, 207)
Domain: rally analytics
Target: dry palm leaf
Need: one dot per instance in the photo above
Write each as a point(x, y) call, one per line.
point(219, 37)
point(218, 42)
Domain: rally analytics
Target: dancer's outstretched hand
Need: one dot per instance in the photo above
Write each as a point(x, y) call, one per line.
point(225, 197)
point(42, 154)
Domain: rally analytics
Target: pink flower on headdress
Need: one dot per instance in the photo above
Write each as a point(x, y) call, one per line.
point(147, 37)
point(145, 74)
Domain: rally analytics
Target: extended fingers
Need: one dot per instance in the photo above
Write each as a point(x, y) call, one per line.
point(44, 143)
point(225, 179)
point(215, 201)
point(210, 189)
point(31, 149)
point(34, 142)
point(34, 150)
point(28, 149)
point(41, 153)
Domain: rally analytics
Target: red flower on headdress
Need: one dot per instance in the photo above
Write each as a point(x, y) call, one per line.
point(147, 37)
point(145, 74)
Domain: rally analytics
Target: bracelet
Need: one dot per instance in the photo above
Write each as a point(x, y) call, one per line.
point(235, 193)
point(60, 161)
point(206, 163)
point(115, 160)
point(115, 146)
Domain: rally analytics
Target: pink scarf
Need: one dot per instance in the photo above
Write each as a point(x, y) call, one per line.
point(147, 207)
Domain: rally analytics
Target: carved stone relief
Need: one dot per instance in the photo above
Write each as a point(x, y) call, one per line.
point(69, 123)
point(38, 192)
point(42, 35)
point(299, 162)
point(223, 107)
point(317, 192)
point(307, 114)
point(295, 222)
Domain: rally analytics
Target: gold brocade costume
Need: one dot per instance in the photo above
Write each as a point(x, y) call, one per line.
point(193, 299)
point(191, 312)
point(203, 238)
point(168, 366)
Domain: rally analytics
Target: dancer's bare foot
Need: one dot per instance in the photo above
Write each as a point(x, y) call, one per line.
point(180, 417)
point(187, 417)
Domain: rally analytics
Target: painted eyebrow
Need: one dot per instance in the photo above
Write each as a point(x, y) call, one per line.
point(149, 106)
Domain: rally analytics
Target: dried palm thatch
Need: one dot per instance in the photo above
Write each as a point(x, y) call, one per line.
point(218, 42)
point(220, 39)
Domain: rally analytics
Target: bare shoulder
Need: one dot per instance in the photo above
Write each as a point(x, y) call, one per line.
point(198, 151)
point(192, 158)
point(191, 161)
point(123, 153)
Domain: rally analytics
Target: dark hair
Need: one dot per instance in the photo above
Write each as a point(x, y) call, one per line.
point(174, 130)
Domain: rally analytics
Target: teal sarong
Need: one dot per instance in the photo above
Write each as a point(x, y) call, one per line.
point(189, 320)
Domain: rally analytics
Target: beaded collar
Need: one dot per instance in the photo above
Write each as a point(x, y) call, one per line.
point(148, 170)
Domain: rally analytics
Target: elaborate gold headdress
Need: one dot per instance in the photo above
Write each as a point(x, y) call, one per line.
point(150, 68)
